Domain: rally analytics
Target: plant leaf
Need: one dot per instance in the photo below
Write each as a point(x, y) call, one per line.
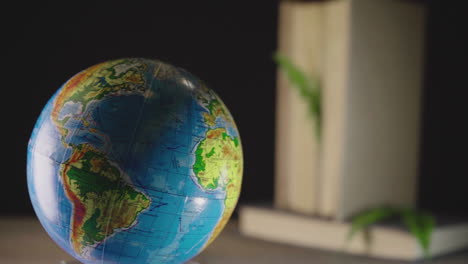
point(365, 219)
point(421, 225)
point(308, 89)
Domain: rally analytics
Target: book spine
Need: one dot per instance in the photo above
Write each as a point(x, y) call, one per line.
point(334, 95)
point(297, 149)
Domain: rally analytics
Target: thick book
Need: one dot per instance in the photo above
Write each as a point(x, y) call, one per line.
point(372, 99)
point(368, 58)
point(387, 241)
point(297, 149)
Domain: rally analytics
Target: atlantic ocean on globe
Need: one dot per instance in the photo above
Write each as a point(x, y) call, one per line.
point(134, 161)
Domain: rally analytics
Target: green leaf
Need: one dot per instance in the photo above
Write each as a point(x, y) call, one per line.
point(369, 217)
point(421, 225)
point(308, 88)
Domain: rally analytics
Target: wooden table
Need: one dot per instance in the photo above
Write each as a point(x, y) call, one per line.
point(23, 241)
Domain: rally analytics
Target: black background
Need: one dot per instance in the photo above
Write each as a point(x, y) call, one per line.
point(444, 160)
point(228, 44)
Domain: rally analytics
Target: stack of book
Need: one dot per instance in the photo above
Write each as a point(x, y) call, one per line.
point(368, 58)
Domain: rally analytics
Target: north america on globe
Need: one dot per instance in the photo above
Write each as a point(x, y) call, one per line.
point(134, 161)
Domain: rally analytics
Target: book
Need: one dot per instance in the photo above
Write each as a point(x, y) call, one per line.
point(368, 56)
point(372, 98)
point(297, 149)
point(387, 241)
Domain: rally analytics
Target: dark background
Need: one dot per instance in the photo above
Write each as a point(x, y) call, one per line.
point(229, 45)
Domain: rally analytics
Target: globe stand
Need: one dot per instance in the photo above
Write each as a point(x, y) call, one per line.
point(77, 262)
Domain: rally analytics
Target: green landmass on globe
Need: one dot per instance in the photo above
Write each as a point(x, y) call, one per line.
point(92, 182)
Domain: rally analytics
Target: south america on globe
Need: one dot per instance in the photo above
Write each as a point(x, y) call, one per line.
point(134, 161)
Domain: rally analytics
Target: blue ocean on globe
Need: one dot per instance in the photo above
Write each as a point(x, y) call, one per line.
point(134, 161)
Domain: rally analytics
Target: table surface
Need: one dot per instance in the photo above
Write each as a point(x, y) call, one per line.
point(23, 241)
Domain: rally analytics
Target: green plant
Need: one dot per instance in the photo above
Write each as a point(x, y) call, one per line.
point(420, 224)
point(308, 88)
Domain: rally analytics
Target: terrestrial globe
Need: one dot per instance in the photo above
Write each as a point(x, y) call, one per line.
point(134, 161)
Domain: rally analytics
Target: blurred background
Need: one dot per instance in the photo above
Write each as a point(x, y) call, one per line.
point(229, 45)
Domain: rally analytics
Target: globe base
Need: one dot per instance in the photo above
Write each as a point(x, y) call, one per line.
point(77, 262)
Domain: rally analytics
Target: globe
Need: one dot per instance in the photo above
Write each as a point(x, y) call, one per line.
point(134, 161)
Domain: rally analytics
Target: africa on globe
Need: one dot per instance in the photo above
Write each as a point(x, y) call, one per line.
point(134, 161)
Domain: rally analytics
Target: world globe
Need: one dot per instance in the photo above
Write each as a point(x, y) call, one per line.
point(134, 161)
